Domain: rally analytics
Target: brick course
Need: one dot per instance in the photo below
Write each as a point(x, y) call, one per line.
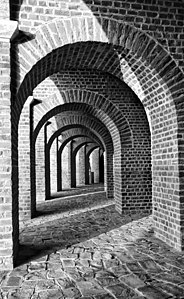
point(138, 43)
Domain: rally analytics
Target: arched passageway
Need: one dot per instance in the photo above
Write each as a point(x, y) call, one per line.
point(129, 55)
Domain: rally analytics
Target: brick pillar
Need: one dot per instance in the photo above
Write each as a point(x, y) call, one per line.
point(65, 167)
point(87, 165)
point(33, 103)
point(59, 172)
point(95, 165)
point(24, 164)
point(101, 166)
point(9, 228)
point(40, 167)
point(105, 172)
point(53, 167)
point(81, 165)
point(109, 175)
point(72, 166)
point(47, 164)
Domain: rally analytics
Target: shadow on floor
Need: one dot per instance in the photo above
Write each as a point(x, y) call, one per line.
point(46, 237)
point(78, 190)
point(66, 204)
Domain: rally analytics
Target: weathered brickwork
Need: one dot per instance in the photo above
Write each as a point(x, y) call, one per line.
point(139, 61)
point(163, 20)
point(84, 53)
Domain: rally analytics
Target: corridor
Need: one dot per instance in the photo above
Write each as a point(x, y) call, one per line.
point(79, 247)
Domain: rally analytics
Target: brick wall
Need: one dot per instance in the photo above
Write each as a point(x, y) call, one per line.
point(9, 226)
point(163, 20)
point(147, 54)
point(127, 102)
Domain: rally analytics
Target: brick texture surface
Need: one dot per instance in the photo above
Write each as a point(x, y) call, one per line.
point(97, 65)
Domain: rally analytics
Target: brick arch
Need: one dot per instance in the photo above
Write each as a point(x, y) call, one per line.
point(79, 132)
point(119, 134)
point(107, 107)
point(138, 57)
point(130, 43)
point(94, 126)
point(87, 135)
point(93, 101)
point(91, 149)
point(82, 143)
point(76, 149)
point(87, 121)
point(78, 141)
point(66, 137)
point(101, 129)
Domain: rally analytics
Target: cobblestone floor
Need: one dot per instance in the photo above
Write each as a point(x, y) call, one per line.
point(92, 252)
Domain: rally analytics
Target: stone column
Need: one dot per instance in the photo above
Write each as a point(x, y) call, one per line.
point(9, 227)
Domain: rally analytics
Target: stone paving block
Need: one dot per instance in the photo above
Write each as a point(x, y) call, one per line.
point(73, 273)
point(68, 255)
point(12, 281)
point(105, 278)
point(150, 266)
point(97, 255)
point(36, 267)
point(43, 285)
point(78, 249)
point(106, 255)
point(119, 270)
point(37, 275)
point(50, 294)
point(124, 258)
point(151, 292)
point(96, 264)
point(121, 291)
point(85, 255)
point(19, 271)
point(54, 266)
point(56, 274)
point(87, 273)
point(171, 289)
point(132, 281)
point(90, 288)
point(71, 293)
point(111, 263)
point(29, 284)
point(145, 277)
point(68, 263)
point(54, 258)
point(82, 263)
point(65, 283)
point(20, 294)
point(168, 277)
point(134, 267)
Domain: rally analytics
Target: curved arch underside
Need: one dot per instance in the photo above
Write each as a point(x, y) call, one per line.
point(130, 55)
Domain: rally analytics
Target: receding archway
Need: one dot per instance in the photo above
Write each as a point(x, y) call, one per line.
point(166, 102)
